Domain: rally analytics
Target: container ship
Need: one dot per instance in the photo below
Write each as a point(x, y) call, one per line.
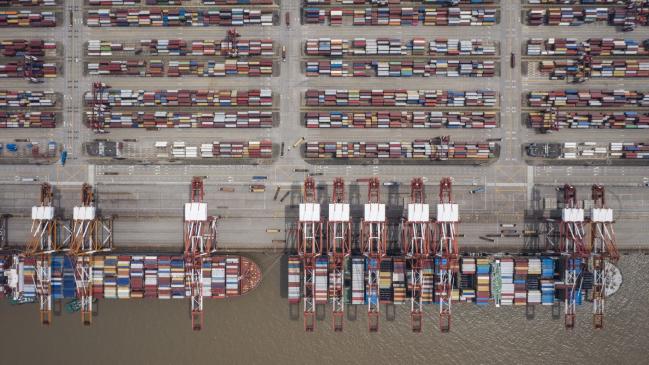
point(79, 262)
point(429, 266)
point(131, 277)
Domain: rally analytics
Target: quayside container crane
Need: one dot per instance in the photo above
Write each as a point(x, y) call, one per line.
point(339, 248)
point(573, 249)
point(199, 236)
point(309, 247)
point(416, 233)
point(374, 246)
point(43, 242)
point(603, 250)
point(99, 106)
point(446, 250)
point(89, 234)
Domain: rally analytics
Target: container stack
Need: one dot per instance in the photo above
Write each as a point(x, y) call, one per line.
point(422, 150)
point(320, 280)
point(3, 278)
point(588, 98)
point(23, 47)
point(403, 119)
point(137, 277)
point(405, 68)
point(27, 18)
point(56, 267)
point(110, 277)
point(150, 277)
point(164, 119)
point(507, 281)
point(386, 292)
point(399, 280)
point(29, 278)
point(520, 280)
point(533, 284)
point(427, 282)
point(26, 99)
point(591, 46)
point(69, 283)
point(206, 278)
point(178, 287)
point(185, 98)
point(467, 275)
point(164, 277)
point(218, 277)
point(232, 276)
point(458, 17)
point(599, 120)
point(483, 270)
point(294, 274)
point(547, 281)
point(173, 17)
point(123, 277)
point(358, 280)
point(400, 97)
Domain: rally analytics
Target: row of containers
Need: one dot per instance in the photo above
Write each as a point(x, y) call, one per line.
point(556, 113)
point(405, 68)
point(396, 47)
point(176, 2)
point(27, 47)
point(28, 18)
point(136, 276)
point(181, 47)
point(27, 3)
point(402, 16)
point(396, 2)
point(28, 99)
point(172, 17)
point(172, 119)
point(499, 280)
point(562, 69)
point(14, 115)
point(553, 119)
point(402, 119)
point(399, 97)
point(418, 151)
point(590, 46)
point(115, 98)
point(33, 60)
point(572, 98)
point(217, 149)
point(200, 68)
point(580, 151)
point(575, 16)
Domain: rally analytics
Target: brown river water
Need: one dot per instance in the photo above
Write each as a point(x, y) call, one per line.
point(258, 329)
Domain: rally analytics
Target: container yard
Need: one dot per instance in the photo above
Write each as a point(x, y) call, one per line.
point(305, 126)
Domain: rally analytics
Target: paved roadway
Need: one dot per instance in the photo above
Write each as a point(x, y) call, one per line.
point(148, 199)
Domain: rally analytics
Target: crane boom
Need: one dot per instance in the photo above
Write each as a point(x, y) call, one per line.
point(446, 249)
point(416, 246)
point(374, 247)
point(338, 248)
point(309, 247)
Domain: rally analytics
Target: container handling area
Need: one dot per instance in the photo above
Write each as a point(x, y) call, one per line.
point(318, 131)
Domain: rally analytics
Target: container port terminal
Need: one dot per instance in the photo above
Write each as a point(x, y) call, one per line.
point(426, 155)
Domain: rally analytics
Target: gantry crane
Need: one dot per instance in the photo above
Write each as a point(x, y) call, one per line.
point(416, 246)
point(339, 247)
point(445, 247)
point(603, 249)
point(309, 247)
point(374, 246)
point(232, 37)
point(99, 106)
point(43, 242)
point(89, 234)
point(199, 236)
point(573, 249)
